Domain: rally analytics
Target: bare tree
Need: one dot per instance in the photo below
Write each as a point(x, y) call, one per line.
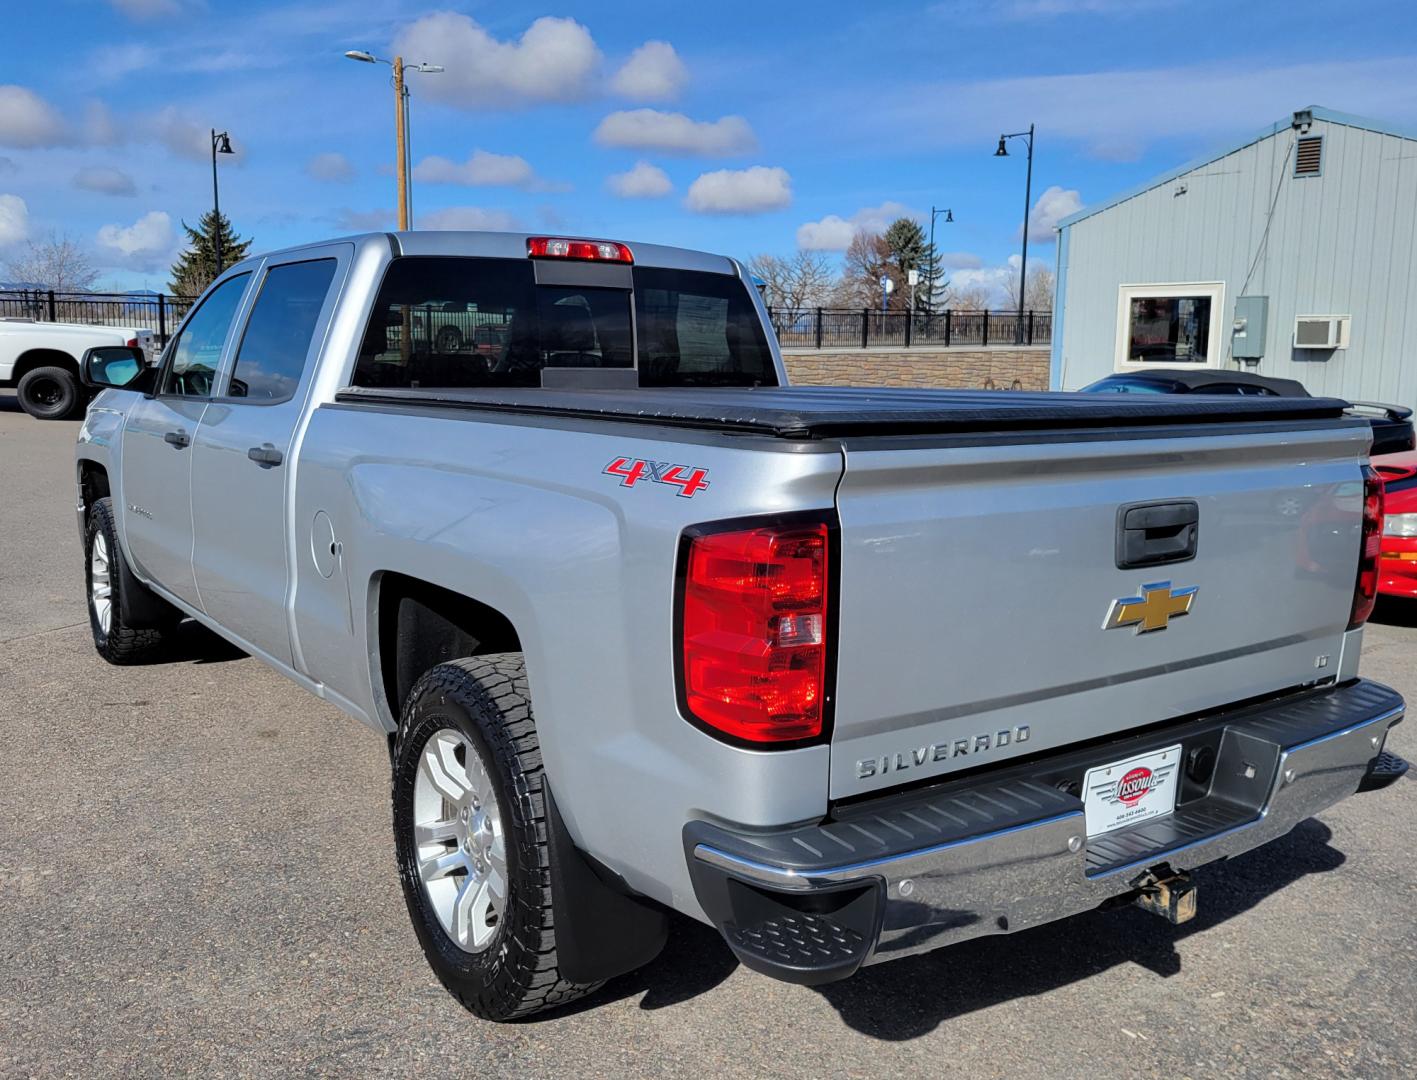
point(53, 263)
point(973, 298)
point(802, 281)
point(1039, 294)
point(867, 259)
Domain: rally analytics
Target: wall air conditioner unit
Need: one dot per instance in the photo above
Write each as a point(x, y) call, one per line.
point(1321, 331)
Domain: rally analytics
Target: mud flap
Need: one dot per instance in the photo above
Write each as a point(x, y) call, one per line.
point(602, 930)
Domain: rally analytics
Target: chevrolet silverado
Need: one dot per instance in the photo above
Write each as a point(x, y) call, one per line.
point(848, 674)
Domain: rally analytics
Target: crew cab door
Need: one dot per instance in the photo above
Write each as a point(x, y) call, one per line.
point(156, 464)
point(241, 457)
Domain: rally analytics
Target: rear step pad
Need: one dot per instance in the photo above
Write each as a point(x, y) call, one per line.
point(1387, 768)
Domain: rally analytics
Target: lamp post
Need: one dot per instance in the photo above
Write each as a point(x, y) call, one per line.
point(221, 144)
point(400, 120)
point(1003, 151)
point(934, 255)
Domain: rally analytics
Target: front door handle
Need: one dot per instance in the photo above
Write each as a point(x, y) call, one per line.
point(265, 455)
point(178, 439)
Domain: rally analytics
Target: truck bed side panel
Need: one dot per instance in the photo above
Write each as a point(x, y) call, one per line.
point(523, 517)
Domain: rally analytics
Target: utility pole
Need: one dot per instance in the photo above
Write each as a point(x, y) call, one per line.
point(400, 124)
point(401, 138)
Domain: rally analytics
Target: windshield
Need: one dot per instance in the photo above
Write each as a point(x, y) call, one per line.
point(467, 322)
point(1121, 384)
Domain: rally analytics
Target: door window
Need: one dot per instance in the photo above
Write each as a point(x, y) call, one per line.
point(197, 350)
point(276, 342)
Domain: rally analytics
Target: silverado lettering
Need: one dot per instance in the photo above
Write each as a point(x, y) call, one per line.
point(977, 744)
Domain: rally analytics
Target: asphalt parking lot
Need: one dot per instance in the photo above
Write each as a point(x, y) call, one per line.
point(196, 877)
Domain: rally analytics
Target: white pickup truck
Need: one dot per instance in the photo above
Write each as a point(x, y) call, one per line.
point(845, 673)
point(40, 361)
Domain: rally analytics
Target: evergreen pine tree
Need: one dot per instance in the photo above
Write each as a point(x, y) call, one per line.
point(195, 268)
point(910, 250)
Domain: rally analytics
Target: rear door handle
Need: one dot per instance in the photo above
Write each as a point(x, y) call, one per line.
point(265, 455)
point(178, 439)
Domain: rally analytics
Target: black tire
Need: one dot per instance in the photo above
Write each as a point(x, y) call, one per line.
point(448, 340)
point(486, 699)
point(51, 393)
point(121, 643)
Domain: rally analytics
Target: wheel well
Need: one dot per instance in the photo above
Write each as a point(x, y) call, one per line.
point(422, 625)
point(38, 358)
point(93, 483)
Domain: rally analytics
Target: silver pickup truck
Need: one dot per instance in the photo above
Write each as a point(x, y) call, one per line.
point(848, 674)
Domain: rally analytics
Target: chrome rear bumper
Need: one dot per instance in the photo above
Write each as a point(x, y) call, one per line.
point(907, 874)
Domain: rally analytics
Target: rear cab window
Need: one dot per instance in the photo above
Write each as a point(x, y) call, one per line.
point(455, 322)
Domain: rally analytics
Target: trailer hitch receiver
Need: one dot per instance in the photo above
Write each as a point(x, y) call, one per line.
point(1168, 893)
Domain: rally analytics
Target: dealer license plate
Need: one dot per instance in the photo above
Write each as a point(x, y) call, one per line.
point(1126, 792)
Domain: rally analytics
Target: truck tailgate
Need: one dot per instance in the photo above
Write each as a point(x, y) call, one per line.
point(977, 576)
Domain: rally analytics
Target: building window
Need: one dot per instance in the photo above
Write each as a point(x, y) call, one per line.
point(1169, 325)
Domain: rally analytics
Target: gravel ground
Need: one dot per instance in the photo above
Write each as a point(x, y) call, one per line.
point(196, 876)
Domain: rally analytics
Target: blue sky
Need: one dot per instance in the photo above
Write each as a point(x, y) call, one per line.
point(736, 127)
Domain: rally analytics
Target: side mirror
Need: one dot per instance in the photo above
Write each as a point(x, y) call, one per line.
point(117, 367)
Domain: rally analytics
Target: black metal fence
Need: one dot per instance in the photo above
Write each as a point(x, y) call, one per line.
point(836, 328)
point(152, 311)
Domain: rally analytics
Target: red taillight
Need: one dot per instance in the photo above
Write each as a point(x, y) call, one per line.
point(755, 623)
point(550, 247)
point(1365, 592)
point(132, 343)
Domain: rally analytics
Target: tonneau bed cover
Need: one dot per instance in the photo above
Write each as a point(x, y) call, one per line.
point(809, 412)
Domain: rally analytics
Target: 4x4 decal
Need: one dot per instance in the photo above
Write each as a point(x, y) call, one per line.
point(689, 480)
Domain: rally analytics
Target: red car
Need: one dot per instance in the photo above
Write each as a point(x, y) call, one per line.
point(1397, 568)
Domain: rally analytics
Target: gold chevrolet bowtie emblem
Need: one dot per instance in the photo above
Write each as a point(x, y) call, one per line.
point(1152, 610)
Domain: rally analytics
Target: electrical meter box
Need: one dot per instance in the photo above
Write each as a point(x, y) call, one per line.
point(1247, 340)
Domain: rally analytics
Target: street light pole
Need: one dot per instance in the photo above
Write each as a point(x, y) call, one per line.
point(400, 124)
point(221, 144)
point(1027, 206)
point(934, 255)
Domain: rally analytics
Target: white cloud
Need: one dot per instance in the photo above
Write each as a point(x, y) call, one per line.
point(483, 169)
point(834, 233)
point(740, 191)
point(644, 181)
point(960, 260)
point(675, 133)
point(330, 167)
point(1021, 10)
point(994, 281)
point(146, 9)
point(180, 134)
point(554, 60)
point(105, 180)
point(467, 217)
point(147, 244)
point(1119, 112)
point(359, 221)
point(653, 72)
point(27, 120)
point(99, 127)
point(1052, 206)
point(14, 220)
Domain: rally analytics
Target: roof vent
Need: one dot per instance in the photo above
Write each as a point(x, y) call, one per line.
point(1309, 156)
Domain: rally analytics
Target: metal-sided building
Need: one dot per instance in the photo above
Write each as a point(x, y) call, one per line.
point(1291, 254)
